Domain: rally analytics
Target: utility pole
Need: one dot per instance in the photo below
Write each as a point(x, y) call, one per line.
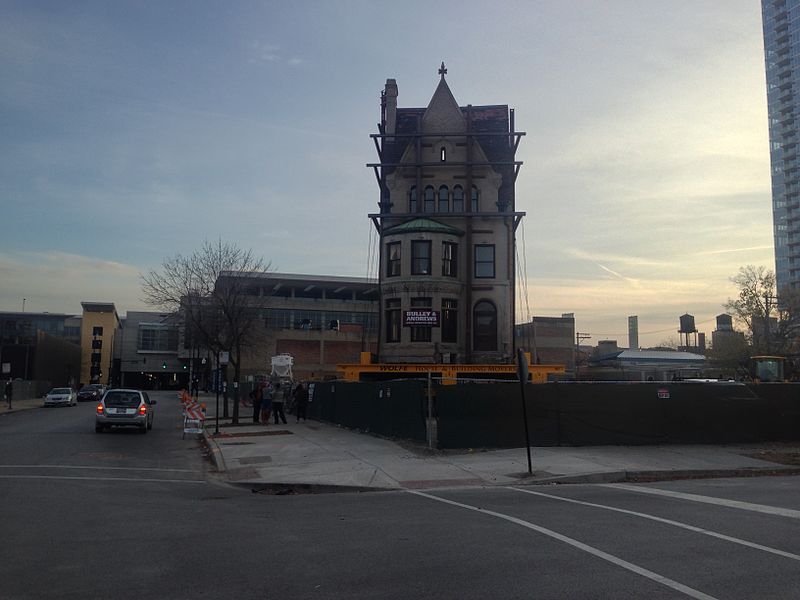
point(768, 304)
point(579, 337)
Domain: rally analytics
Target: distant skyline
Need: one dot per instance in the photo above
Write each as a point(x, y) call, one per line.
point(134, 131)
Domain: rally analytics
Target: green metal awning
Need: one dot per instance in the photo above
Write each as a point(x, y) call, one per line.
point(422, 224)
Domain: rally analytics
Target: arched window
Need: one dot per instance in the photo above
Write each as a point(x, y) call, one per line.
point(430, 199)
point(458, 199)
point(484, 323)
point(444, 199)
point(412, 199)
point(474, 198)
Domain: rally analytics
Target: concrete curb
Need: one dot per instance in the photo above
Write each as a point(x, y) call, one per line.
point(651, 476)
point(281, 489)
point(214, 452)
point(285, 488)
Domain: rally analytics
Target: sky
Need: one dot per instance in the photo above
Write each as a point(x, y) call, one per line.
point(134, 131)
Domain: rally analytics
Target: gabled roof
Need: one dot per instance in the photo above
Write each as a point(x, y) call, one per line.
point(422, 224)
point(443, 112)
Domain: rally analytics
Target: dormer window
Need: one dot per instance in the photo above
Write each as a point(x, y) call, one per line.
point(443, 154)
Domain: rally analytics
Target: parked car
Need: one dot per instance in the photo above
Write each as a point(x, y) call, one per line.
point(63, 395)
point(92, 392)
point(125, 408)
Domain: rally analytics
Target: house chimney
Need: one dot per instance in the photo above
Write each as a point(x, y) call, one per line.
point(390, 102)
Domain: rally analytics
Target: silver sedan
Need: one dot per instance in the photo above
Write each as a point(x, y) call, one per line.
point(58, 396)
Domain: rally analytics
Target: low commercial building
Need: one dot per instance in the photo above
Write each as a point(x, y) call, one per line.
point(146, 352)
point(550, 340)
point(645, 365)
point(39, 347)
point(319, 320)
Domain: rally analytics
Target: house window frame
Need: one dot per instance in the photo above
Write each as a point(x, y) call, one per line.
point(417, 260)
point(482, 262)
point(449, 330)
point(443, 204)
point(449, 259)
point(394, 264)
point(458, 199)
point(421, 334)
point(484, 341)
point(429, 199)
point(392, 312)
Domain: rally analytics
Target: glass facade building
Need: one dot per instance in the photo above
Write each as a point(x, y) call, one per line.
point(781, 22)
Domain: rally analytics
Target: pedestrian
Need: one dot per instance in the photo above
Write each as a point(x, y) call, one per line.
point(266, 404)
point(278, 398)
point(195, 388)
point(301, 402)
point(9, 391)
point(257, 395)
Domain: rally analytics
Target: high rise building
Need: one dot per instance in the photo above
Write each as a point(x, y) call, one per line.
point(781, 22)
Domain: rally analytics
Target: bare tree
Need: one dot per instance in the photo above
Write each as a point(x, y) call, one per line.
point(213, 291)
point(755, 304)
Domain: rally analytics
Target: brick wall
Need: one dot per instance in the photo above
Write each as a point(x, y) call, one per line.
point(342, 352)
point(303, 351)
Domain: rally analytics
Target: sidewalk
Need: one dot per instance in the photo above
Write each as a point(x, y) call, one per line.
point(323, 456)
point(18, 405)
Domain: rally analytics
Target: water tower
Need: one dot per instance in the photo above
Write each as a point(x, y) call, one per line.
point(688, 332)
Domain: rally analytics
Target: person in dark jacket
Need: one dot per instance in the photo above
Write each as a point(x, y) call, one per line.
point(257, 396)
point(301, 400)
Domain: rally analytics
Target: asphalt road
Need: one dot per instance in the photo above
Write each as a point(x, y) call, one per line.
point(125, 515)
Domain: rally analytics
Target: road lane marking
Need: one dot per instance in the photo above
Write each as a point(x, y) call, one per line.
point(634, 513)
point(761, 508)
point(136, 479)
point(98, 468)
point(671, 583)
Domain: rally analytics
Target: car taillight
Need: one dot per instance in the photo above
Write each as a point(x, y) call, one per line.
point(99, 409)
point(143, 410)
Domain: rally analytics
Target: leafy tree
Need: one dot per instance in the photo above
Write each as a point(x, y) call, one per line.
point(211, 290)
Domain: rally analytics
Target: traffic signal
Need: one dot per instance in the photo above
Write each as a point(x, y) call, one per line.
point(163, 365)
point(184, 367)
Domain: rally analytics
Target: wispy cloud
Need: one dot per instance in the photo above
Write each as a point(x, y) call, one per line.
point(265, 52)
point(617, 275)
point(733, 250)
point(57, 281)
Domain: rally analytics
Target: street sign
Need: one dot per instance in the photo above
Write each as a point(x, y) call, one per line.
point(224, 357)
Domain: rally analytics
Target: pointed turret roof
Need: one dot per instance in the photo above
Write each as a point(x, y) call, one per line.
point(443, 112)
